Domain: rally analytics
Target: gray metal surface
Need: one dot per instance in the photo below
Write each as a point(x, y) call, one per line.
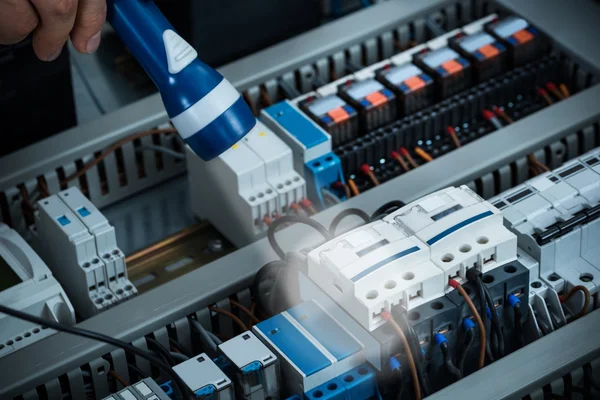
point(533, 366)
point(36, 364)
point(83, 140)
point(573, 25)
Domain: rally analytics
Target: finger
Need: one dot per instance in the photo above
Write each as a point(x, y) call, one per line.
point(88, 24)
point(56, 21)
point(17, 20)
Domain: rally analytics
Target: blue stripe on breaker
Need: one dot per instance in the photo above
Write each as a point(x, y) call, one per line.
point(325, 330)
point(385, 262)
point(456, 227)
point(294, 345)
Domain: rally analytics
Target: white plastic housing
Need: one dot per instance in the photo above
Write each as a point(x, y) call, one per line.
point(70, 250)
point(462, 230)
point(106, 242)
point(38, 294)
point(374, 267)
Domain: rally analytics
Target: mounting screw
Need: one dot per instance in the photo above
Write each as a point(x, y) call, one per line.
point(216, 245)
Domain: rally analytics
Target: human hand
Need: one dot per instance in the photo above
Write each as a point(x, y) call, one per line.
point(52, 22)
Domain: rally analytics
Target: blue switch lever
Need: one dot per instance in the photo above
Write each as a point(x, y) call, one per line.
point(208, 112)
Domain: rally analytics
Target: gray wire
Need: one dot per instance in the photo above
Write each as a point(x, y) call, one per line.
point(178, 356)
point(162, 149)
point(206, 338)
point(215, 338)
point(330, 195)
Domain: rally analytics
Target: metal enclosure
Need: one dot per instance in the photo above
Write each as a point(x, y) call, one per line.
point(573, 27)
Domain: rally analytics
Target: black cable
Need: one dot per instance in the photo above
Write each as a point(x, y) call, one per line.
point(448, 361)
point(345, 213)
point(496, 325)
point(473, 277)
point(519, 325)
point(470, 337)
point(415, 348)
point(161, 350)
point(140, 374)
point(180, 347)
point(185, 391)
point(293, 219)
point(386, 209)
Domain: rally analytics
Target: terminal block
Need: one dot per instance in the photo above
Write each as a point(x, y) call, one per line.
point(335, 115)
point(106, 242)
point(376, 104)
point(205, 379)
point(311, 345)
point(462, 230)
point(323, 173)
point(357, 384)
point(26, 284)
point(69, 249)
point(145, 389)
point(450, 71)
point(374, 267)
point(307, 140)
point(414, 89)
point(279, 166)
point(254, 367)
point(525, 42)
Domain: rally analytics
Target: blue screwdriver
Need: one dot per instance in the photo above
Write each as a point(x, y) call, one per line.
point(207, 111)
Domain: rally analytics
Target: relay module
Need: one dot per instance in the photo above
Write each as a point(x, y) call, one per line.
point(414, 214)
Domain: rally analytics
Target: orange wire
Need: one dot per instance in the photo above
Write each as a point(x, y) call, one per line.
point(409, 355)
point(452, 132)
point(586, 304)
point(230, 315)
point(564, 90)
point(118, 377)
point(502, 114)
point(114, 147)
point(353, 187)
point(243, 309)
point(400, 161)
point(482, 337)
point(423, 154)
point(411, 160)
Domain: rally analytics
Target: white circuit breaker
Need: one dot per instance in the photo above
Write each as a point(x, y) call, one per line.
point(26, 284)
point(70, 244)
point(462, 230)
point(245, 187)
point(555, 217)
point(408, 257)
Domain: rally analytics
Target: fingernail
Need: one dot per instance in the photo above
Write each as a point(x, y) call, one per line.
point(54, 56)
point(93, 43)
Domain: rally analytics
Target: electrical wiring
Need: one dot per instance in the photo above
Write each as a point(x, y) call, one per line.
point(515, 303)
point(565, 90)
point(293, 219)
point(161, 149)
point(287, 89)
point(114, 147)
point(542, 92)
point(243, 309)
point(586, 303)
point(178, 357)
point(386, 209)
point(179, 347)
point(410, 159)
point(353, 187)
point(229, 314)
point(482, 339)
point(345, 213)
point(409, 355)
point(308, 206)
point(423, 154)
point(443, 345)
point(366, 169)
point(207, 340)
point(396, 156)
point(472, 275)
point(454, 136)
point(215, 338)
point(496, 326)
point(184, 389)
point(160, 349)
point(140, 374)
point(265, 97)
point(413, 341)
point(466, 345)
point(396, 368)
point(118, 378)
